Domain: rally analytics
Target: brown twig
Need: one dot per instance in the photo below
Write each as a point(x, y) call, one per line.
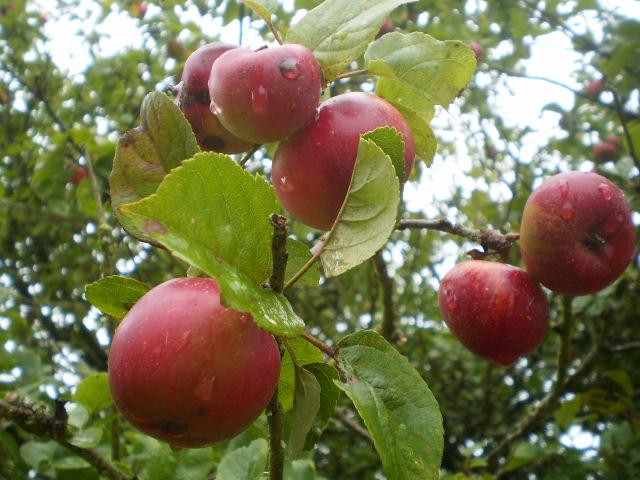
point(35, 420)
point(249, 154)
point(625, 127)
point(279, 251)
point(319, 345)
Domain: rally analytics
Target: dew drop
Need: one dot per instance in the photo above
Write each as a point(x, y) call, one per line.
point(184, 341)
point(259, 99)
point(452, 300)
point(285, 184)
point(567, 211)
point(214, 108)
point(605, 191)
point(289, 68)
point(564, 189)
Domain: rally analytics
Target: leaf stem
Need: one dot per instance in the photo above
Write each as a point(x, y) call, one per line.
point(318, 251)
point(249, 154)
point(353, 73)
point(319, 344)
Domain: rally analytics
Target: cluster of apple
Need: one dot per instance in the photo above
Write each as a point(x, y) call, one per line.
point(235, 98)
point(576, 238)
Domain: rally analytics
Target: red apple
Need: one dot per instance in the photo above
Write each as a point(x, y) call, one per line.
point(497, 311)
point(78, 174)
point(186, 370)
point(577, 236)
point(194, 101)
point(265, 96)
point(595, 88)
point(608, 149)
point(312, 169)
point(387, 27)
point(478, 50)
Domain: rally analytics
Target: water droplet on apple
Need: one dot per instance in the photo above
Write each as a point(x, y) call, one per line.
point(567, 211)
point(214, 108)
point(605, 191)
point(184, 341)
point(564, 189)
point(259, 99)
point(289, 68)
point(285, 184)
point(452, 300)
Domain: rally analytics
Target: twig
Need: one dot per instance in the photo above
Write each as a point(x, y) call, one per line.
point(275, 32)
point(279, 251)
point(489, 239)
point(249, 154)
point(275, 419)
point(353, 425)
point(35, 420)
point(386, 283)
point(352, 73)
point(625, 127)
point(318, 344)
point(624, 347)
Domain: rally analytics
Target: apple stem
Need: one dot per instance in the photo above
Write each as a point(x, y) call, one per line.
point(318, 344)
point(35, 420)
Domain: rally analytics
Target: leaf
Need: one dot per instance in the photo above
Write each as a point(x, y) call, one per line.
point(368, 215)
point(86, 200)
point(428, 70)
point(326, 375)
point(304, 354)
point(93, 392)
point(338, 31)
point(264, 8)
point(524, 454)
point(423, 136)
point(214, 215)
point(567, 412)
point(396, 405)
point(390, 142)
point(306, 403)
point(299, 254)
point(145, 154)
point(36, 453)
point(7, 293)
point(245, 463)
point(87, 438)
point(48, 177)
point(115, 295)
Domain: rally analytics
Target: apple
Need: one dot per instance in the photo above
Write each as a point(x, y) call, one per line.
point(194, 101)
point(387, 27)
point(595, 88)
point(478, 50)
point(312, 169)
point(138, 9)
point(186, 370)
point(78, 173)
point(576, 235)
point(608, 149)
point(497, 311)
point(266, 95)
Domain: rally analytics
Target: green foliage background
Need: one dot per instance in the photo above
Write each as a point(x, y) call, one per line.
point(56, 239)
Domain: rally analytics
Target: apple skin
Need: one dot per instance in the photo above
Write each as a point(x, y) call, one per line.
point(387, 27)
point(577, 235)
point(606, 150)
point(497, 311)
point(78, 174)
point(188, 371)
point(312, 169)
point(267, 95)
point(478, 50)
point(595, 88)
point(194, 101)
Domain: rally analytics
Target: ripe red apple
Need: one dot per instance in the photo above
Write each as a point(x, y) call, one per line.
point(576, 235)
point(187, 370)
point(478, 50)
point(265, 96)
point(497, 311)
point(608, 149)
point(194, 101)
point(595, 88)
point(312, 169)
point(78, 173)
point(387, 27)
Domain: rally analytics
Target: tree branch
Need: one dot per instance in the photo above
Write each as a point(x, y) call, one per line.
point(249, 154)
point(352, 425)
point(279, 251)
point(489, 239)
point(625, 127)
point(388, 329)
point(319, 345)
point(35, 420)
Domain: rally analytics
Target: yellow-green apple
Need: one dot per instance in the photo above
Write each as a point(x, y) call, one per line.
point(577, 235)
point(312, 169)
point(186, 370)
point(497, 311)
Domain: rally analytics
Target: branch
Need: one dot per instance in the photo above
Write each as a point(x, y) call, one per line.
point(386, 283)
point(249, 154)
point(489, 239)
point(353, 73)
point(625, 127)
point(275, 419)
point(319, 345)
point(35, 420)
point(279, 251)
point(352, 425)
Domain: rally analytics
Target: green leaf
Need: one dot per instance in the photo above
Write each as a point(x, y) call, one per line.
point(423, 136)
point(390, 142)
point(7, 293)
point(93, 393)
point(306, 404)
point(368, 215)
point(264, 8)
point(299, 254)
point(338, 31)
point(87, 438)
point(77, 415)
point(301, 469)
point(524, 454)
point(186, 464)
point(115, 295)
point(326, 375)
point(246, 463)
point(622, 378)
point(396, 405)
point(145, 154)
point(86, 200)
point(304, 354)
point(567, 412)
point(214, 215)
point(37, 453)
point(49, 175)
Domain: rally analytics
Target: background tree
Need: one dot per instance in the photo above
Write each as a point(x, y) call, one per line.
point(58, 136)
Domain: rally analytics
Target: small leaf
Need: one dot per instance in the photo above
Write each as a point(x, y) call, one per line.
point(338, 31)
point(214, 215)
point(37, 453)
point(264, 8)
point(245, 463)
point(115, 295)
point(368, 215)
point(306, 403)
point(93, 393)
point(145, 154)
point(87, 438)
point(299, 254)
point(396, 405)
point(304, 354)
point(567, 412)
point(390, 142)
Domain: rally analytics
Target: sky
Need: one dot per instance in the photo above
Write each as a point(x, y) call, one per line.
point(519, 101)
